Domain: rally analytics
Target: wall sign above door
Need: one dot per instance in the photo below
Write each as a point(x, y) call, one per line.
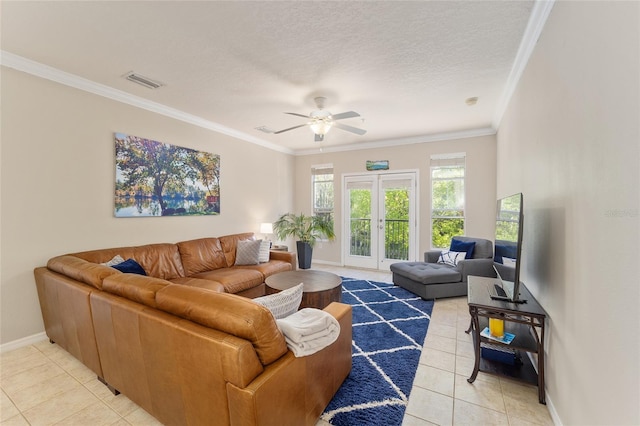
point(377, 165)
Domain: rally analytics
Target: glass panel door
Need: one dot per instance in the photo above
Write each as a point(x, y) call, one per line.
point(361, 229)
point(380, 227)
point(398, 211)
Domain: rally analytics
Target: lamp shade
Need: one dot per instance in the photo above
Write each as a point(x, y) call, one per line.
point(266, 228)
point(320, 126)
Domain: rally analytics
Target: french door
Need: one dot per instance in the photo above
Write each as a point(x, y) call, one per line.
point(379, 222)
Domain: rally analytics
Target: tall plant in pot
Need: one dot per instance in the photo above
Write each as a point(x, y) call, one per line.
point(306, 230)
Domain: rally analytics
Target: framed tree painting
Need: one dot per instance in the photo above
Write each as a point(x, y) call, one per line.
point(159, 179)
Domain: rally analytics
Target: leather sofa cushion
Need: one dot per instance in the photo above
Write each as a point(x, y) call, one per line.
point(204, 254)
point(158, 260)
point(269, 268)
point(234, 279)
point(139, 288)
point(81, 270)
point(229, 245)
point(229, 313)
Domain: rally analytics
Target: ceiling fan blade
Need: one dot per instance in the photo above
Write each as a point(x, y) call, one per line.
point(343, 115)
point(350, 128)
point(298, 115)
point(290, 128)
point(319, 138)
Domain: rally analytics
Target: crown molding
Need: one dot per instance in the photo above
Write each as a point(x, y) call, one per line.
point(537, 20)
point(37, 69)
point(539, 15)
point(436, 137)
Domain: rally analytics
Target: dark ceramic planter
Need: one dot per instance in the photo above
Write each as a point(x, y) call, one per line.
point(305, 252)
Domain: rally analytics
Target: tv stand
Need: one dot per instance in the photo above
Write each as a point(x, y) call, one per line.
point(525, 320)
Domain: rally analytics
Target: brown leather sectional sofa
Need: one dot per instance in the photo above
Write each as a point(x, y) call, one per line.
point(185, 342)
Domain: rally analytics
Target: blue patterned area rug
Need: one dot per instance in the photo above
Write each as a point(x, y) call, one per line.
point(389, 327)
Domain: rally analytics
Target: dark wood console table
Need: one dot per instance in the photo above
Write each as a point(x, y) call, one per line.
point(525, 320)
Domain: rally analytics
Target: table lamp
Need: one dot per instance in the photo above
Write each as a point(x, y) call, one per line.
point(266, 229)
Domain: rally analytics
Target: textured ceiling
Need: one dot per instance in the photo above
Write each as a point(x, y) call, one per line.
point(406, 67)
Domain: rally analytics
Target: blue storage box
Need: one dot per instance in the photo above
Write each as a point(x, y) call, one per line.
point(498, 353)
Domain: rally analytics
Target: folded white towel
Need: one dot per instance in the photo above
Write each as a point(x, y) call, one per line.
point(309, 331)
point(301, 349)
point(317, 335)
point(305, 324)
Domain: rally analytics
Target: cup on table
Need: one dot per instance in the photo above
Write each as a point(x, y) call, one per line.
point(496, 327)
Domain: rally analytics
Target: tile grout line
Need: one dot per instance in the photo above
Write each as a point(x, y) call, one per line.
point(83, 385)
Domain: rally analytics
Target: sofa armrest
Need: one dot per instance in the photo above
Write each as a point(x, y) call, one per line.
point(286, 256)
point(337, 357)
point(81, 270)
point(432, 256)
point(342, 312)
point(311, 382)
point(477, 267)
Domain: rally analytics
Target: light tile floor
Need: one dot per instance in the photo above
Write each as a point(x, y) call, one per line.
point(43, 385)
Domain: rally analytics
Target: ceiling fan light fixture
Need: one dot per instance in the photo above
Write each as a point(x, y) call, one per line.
point(321, 121)
point(320, 126)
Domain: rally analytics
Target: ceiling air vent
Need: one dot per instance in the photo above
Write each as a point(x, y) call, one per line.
point(264, 129)
point(143, 81)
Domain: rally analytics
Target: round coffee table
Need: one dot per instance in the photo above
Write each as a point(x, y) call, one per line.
point(319, 290)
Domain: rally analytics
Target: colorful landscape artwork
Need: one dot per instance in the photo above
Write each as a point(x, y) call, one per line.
point(159, 179)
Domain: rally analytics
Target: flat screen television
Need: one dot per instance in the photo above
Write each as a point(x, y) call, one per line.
point(508, 248)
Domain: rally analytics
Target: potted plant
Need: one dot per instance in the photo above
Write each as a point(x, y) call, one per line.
point(306, 230)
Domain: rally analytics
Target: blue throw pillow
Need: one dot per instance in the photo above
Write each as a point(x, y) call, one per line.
point(130, 266)
point(505, 249)
point(466, 246)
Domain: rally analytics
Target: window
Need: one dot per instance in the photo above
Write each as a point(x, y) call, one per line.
point(322, 181)
point(447, 198)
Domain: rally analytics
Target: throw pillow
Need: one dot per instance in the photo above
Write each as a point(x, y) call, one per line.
point(504, 249)
point(117, 259)
point(452, 258)
point(248, 252)
point(284, 303)
point(265, 246)
point(507, 261)
point(466, 246)
point(130, 266)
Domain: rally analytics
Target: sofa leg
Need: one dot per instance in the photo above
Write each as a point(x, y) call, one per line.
point(113, 390)
point(52, 342)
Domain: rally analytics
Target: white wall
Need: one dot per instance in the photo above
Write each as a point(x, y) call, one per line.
point(480, 184)
point(570, 142)
point(57, 178)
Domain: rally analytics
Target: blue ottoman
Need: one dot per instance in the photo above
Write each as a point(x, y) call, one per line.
point(429, 280)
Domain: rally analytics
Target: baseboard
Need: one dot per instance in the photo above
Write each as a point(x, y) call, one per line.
point(552, 409)
point(548, 399)
point(326, 262)
point(25, 341)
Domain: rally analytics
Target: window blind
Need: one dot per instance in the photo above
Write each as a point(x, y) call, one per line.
point(448, 160)
point(323, 169)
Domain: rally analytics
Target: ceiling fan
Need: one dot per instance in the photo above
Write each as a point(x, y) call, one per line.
point(321, 121)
